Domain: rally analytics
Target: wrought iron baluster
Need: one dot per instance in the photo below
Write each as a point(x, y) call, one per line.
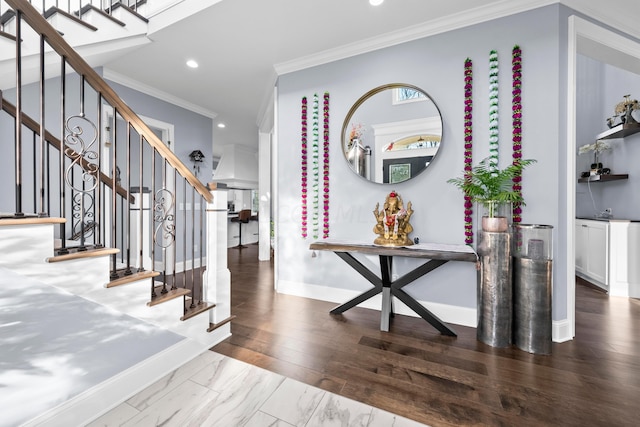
point(34, 158)
point(201, 278)
point(164, 220)
point(114, 194)
point(62, 189)
point(193, 244)
point(153, 192)
point(141, 206)
point(18, 121)
point(184, 239)
point(42, 212)
point(173, 280)
point(83, 157)
point(97, 239)
point(128, 270)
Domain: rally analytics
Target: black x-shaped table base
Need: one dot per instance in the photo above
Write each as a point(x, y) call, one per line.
point(390, 288)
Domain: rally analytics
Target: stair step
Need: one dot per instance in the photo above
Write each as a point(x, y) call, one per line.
point(53, 11)
point(213, 326)
point(87, 253)
point(199, 308)
point(124, 279)
point(89, 8)
point(30, 220)
point(168, 296)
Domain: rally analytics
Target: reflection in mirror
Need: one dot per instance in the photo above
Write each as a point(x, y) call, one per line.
point(391, 133)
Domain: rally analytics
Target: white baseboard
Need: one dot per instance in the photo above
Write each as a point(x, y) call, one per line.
point(561, 330)
point(100, 399)
point(447, 313)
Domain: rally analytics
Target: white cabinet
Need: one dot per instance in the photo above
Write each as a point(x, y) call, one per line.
point(606, 254)
point(592, 251)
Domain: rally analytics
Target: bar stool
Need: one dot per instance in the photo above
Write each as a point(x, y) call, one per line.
point(242, 218)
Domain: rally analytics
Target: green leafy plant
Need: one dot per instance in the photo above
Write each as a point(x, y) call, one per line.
point(492, 188)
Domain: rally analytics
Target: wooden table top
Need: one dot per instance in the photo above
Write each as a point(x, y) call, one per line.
point(440, 251)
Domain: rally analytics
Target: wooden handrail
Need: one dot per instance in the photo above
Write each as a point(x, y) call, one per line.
point(57, 43)
point(55, 142)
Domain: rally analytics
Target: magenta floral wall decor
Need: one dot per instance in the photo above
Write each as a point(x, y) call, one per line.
point(304, 166)
point(468, 147)
point(310, 160)
point(325, 169)
point(516, 115)
point(516, 92)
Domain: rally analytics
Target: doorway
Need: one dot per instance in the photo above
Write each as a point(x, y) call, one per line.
point(593, 41)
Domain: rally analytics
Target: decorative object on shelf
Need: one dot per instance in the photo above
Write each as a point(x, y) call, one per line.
point(493, 111)
point(392, 222)
point(196, 157)
point(325, 169)
point(597, 148)
point(304, 166)
point(516, 116)
point(468, 147)
point(492, 189)
point(623, 111)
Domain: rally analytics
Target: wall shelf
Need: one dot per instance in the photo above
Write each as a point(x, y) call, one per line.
point(620, 131)
point(604, 177)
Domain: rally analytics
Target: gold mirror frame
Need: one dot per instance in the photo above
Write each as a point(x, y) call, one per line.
point(356, 162)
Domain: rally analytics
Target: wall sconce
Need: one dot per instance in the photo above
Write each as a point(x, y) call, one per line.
point(196, 157)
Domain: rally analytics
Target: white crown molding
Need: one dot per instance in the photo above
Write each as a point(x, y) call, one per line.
point(611, 17)
point(415, 32)
point(116, 77)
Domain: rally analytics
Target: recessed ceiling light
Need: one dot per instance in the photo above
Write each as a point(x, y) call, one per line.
point(222, 125)
point(375, 2)
point(192, 64)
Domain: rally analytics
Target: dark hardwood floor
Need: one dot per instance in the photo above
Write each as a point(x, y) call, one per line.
point(415, 372)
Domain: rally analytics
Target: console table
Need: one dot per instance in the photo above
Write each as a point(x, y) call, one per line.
point(437, 254)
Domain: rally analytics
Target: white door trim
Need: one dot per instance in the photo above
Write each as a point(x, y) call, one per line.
point(592, 40)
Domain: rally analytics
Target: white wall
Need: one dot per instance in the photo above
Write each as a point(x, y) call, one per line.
point(434, 64)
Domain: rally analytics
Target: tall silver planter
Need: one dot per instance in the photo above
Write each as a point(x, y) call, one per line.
point(532, 288)
point(532, 305)
point(495, 307)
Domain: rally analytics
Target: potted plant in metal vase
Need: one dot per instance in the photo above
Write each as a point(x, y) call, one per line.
point(492, 188)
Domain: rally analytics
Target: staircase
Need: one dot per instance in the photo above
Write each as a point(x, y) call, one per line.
point(94, 213)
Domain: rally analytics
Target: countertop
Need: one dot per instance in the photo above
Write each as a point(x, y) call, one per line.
point(593, 218)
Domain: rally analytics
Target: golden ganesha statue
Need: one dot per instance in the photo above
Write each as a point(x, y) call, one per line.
point(393, 225)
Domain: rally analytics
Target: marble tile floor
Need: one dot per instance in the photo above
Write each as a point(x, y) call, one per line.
point(216, 390)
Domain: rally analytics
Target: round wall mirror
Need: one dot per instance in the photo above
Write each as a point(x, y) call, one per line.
point(391, 133)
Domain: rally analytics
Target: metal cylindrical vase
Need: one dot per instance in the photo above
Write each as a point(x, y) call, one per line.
point(532, 329)
point(495, 307)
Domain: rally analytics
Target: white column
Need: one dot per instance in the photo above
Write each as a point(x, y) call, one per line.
point(217, 278)
point(264, 195)
point(141, 222)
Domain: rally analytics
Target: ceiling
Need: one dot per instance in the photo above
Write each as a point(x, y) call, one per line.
point(242, 45)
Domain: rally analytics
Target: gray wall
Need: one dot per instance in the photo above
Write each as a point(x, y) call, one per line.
point(600, 88)
point(434, 64)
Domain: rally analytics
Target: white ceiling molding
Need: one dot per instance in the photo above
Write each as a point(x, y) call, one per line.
point(108, 74)
point(470, 17)
point(613, 17)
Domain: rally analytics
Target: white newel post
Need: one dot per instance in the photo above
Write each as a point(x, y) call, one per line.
point(141, 222)
point(217, 277)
